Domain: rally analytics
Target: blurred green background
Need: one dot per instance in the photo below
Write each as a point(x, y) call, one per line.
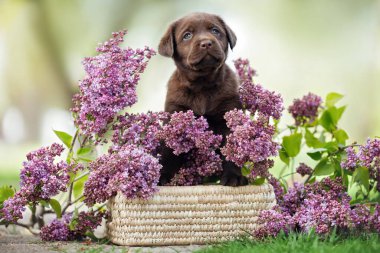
point(295, 46)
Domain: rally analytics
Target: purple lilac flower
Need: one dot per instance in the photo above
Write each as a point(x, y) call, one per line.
point(138, 129)
point(185, 132)
point(305, 110)
point(253, 96)
point(293, 199)
point(57, 230)
point(304, 170)
point(244, 70)
point(278, 190)
point(260, 169)
point(352, 159)
point(367, 156)
point(41, 179)
point(206, 162)
point(87, 222)
point(321, 206)
point(322, 213)
point(272, 222)
point(13, 207)
point(131, 171)
point(374, 220)
point(360, 218)
point(250, 141)
point(110, 84)
point(186, 176)
point(199, 163)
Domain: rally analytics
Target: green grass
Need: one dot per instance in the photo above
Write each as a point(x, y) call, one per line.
point(300, 243)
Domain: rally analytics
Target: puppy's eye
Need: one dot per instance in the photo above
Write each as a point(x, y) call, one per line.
point(187, 36)
point(215, 31)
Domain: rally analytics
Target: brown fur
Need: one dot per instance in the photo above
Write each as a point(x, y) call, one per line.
point(202, 81)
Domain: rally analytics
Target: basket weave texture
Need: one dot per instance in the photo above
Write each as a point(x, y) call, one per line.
point(182, 215)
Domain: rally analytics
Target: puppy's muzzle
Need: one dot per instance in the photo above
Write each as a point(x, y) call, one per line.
point(205, 44)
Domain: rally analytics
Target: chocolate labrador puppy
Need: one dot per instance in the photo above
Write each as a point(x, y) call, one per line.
point(202, 82)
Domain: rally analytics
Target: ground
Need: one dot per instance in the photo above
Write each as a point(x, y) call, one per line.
point(18, 241)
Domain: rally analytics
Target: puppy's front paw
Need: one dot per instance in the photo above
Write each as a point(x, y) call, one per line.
point(229, 179)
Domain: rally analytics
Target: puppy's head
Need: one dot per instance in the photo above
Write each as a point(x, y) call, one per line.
point(198, 42)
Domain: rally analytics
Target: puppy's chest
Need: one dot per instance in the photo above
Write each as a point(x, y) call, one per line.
point(202, 102)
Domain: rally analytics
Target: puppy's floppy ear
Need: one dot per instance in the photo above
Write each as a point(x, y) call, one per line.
point(167, 43)
point(230, 34)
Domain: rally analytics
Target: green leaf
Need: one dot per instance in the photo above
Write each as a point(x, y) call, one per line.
point(245, 171)
point(84, 151)
point(64, 137)
point(284, 156)
point(374, 195)
point(292, 144)
point(326, 121)
point(330, 118)
point(324, 168)
point(56, 207)
point(341, 136)
point(331, 146)
point(316, 154)
point(258, 181)
point(6, 192)
point(44, 203)
point(345, 180)
point(332, 98)
point(312, 141)
point(336, 113)
point(86, 154)
point(361, 176)
point(79, 185)
point(74, 219)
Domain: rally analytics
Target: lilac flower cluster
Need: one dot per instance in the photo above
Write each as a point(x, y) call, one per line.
point(110, 85)
point(60, 229)
point(305, 110)
point(131, 171)
point(249, 140)
point(187, 134)
point(87, 222)
point(277, 188)
point(57, 230)
point(253, 96)
point(272, 222)
point(138, 129)
point(13, 207)
point(260, 169)
point(321, 206)
point(367, 156)
point(41, 179)
point(323, 212)
point(186, 176)
point(304, 170)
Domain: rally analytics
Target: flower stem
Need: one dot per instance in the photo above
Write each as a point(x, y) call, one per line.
point(289, 174)
point(81, 176)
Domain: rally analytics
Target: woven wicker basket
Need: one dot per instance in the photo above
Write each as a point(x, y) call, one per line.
point(182, 215)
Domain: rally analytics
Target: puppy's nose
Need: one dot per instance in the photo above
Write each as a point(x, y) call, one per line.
point(205, 44)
